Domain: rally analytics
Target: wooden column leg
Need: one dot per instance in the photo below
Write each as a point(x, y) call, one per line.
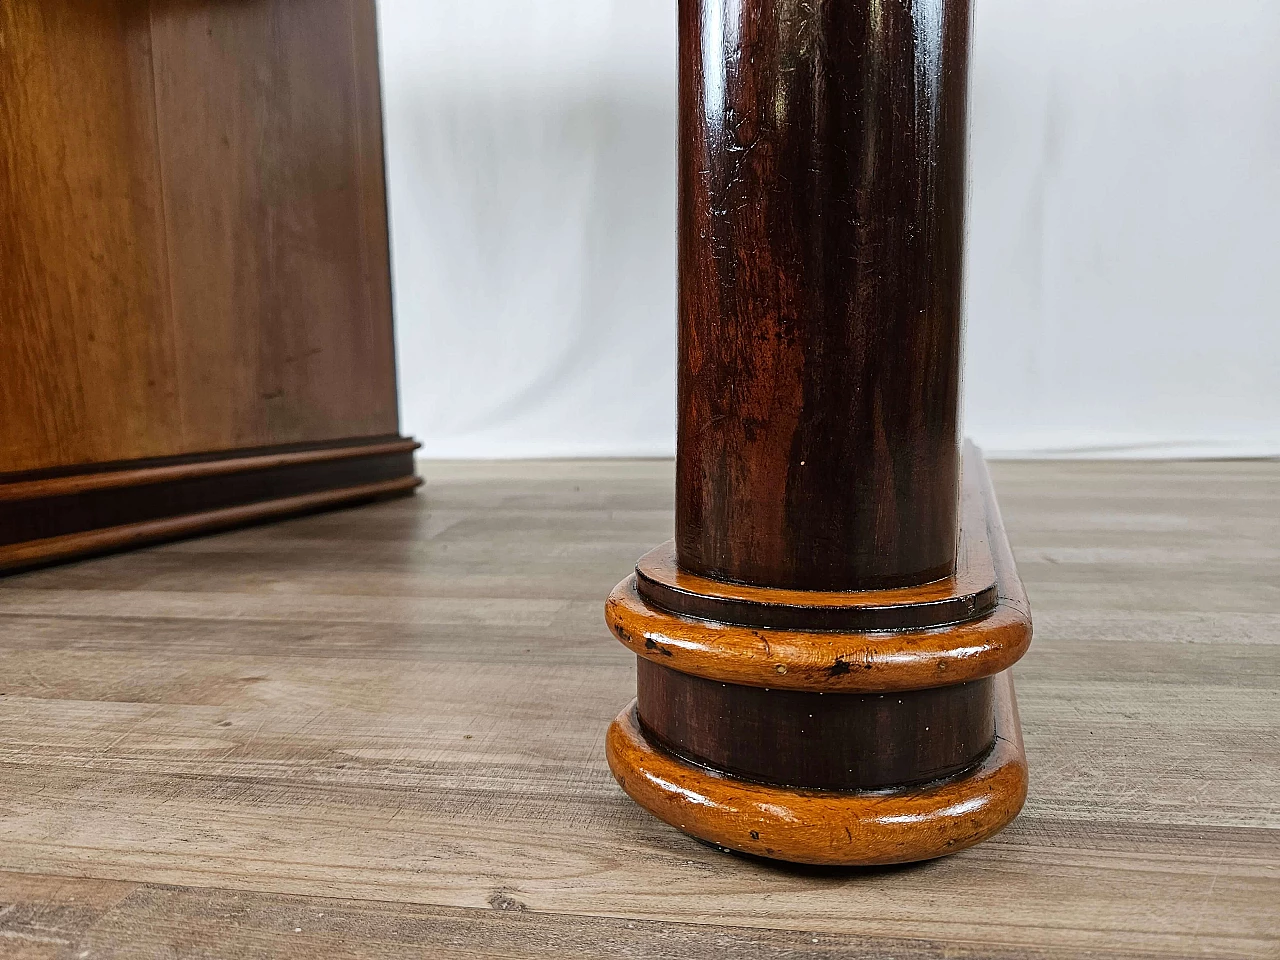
point(824, 647)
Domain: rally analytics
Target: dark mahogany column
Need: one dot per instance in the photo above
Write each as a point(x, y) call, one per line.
point(822, 186)
point(823, 650)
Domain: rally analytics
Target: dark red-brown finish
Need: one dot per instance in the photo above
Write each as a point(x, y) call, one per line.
point(822, 191)
point(832, 741)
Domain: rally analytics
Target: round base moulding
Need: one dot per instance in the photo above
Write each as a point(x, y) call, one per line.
point(858, 828)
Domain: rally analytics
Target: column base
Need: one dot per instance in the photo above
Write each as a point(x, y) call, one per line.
point(861, 828)
point(854, 728)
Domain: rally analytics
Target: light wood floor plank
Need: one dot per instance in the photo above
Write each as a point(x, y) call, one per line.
point(394, 716)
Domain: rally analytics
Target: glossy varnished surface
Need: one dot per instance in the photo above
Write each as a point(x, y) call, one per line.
point(821, 213)
point(827, 661)
point(845, 661)
point(822, 826)
point(970, 592)
point(825, 741)
point(914, 723)
point(377, 733)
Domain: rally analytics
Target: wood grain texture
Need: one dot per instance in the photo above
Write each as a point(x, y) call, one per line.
point(88, 357)
point(57, 917)
point(970, 591)
point(816, 740)
point(391, 716)
point(821, 224)
point(278, 272)
point(193, 249)
point(838, 661)
point(831, 827)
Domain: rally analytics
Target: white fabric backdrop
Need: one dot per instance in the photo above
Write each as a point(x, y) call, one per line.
point(1123, 265)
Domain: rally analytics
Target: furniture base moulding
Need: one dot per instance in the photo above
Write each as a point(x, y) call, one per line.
point(52, 516)
point(823, 827)
point(854, 728)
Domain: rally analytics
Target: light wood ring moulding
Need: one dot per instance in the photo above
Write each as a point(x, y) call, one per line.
point(826, 827)
point(861, 661)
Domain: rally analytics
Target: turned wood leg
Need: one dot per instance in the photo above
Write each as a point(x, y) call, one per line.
point(824, 649)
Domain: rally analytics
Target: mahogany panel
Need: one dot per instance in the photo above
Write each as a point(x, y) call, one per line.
point(821, 215)
point(194, 268)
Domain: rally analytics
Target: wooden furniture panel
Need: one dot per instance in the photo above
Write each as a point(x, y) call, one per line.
point(194, 265)
point(87, 363)
point(263, 138)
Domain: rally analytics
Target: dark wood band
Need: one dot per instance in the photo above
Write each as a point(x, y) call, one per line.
point(49, 519)
point(660, 582)
point(834, 741)
point(39, 484)
point(969, 592)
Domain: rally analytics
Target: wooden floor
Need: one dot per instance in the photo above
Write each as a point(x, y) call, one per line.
point(378, 733)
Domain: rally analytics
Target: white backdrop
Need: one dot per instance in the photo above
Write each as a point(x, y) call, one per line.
point(1123, 265)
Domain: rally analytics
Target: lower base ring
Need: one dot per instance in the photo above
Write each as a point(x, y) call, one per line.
point(828, 827)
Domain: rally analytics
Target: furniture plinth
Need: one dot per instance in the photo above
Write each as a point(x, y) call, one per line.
point(852, 746)
point(195, 293)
